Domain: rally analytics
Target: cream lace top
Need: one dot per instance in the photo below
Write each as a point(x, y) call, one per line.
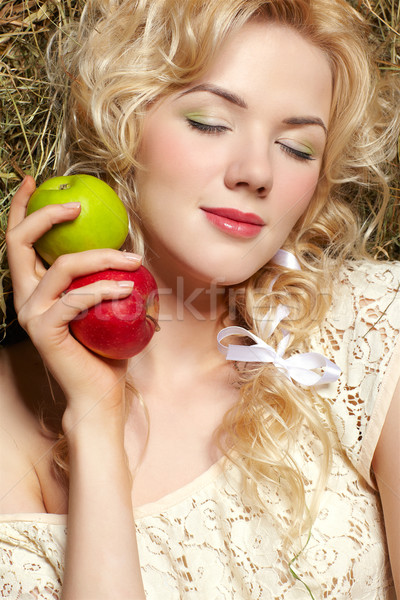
point(205, 542)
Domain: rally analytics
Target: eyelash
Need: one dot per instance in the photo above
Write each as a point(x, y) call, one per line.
point(205, 128)
point(296, 154)
point(216, 129)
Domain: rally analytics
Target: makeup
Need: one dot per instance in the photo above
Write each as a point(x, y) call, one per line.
point(297, 149)
point(234, 222)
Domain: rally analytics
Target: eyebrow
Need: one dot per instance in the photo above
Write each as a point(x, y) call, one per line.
point(214, 89)
point(238, 101)
point(306, 121)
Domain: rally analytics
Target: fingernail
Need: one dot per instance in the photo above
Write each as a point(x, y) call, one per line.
point(131, 256)
point(71, 205)
point(23, 181)
point(126, 284)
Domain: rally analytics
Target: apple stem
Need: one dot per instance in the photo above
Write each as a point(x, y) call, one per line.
point(156, 325)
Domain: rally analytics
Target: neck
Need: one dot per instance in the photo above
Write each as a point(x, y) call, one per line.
point(189, 321)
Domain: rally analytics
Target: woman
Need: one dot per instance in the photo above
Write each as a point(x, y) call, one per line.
point(230, 129)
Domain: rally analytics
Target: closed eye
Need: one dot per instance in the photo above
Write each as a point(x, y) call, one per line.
point(296, 154)
point(206, 127)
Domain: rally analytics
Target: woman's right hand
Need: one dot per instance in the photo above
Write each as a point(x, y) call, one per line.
point(100, 480)
point(44, 311)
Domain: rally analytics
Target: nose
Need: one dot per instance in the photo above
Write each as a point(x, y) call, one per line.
point(250, 169)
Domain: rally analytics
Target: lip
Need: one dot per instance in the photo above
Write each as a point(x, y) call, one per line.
point(234, 222)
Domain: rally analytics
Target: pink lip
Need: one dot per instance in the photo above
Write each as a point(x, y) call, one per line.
point(234, 222)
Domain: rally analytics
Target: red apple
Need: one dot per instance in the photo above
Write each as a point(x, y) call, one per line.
point(118, 328)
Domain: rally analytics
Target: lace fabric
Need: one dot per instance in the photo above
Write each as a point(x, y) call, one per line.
point(361, 334)
point(31, 557)
point(205, 542)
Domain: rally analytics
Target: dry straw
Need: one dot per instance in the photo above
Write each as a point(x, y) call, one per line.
point(30, 112)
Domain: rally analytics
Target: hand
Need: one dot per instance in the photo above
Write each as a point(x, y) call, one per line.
point(90, 383)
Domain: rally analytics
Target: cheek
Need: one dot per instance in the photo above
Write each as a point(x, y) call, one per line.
point(296, 192)
point(168, 156)
point(159, 154)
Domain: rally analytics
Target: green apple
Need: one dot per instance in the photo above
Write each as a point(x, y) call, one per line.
point(102, 222)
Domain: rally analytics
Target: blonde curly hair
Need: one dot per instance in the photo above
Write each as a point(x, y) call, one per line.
point(123, 56)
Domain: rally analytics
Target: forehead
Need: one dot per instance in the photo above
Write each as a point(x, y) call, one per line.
point(266, 60)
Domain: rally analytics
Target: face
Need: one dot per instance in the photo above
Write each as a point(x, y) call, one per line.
point(232, 161)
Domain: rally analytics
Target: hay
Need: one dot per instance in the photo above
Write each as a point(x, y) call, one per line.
point(30, 117)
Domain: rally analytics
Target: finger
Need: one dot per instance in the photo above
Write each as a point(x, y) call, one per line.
point(20, 201)
point(69, 266)
point(50, 331)
point(26, 269)
point(31, 228)
point(39, 222)
point(75, 302)
point(16, 216)
point(79, 300)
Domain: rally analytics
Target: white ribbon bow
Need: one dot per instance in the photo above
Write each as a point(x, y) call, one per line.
point(299, 367)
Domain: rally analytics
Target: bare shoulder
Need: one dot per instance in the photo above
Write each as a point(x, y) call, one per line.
point(25, 450)
point(386, 465)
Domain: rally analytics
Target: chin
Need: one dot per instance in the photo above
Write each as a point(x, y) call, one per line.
point(204, 268)
point(226, 278)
